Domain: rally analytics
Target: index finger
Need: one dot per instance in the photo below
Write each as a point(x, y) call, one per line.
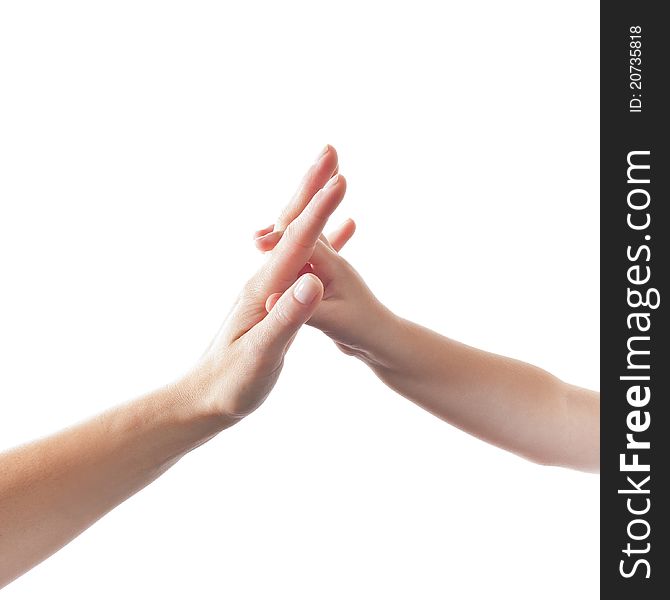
point(315, 178)
point(297, 244)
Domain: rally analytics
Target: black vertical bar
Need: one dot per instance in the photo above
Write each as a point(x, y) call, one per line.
point(634, 245)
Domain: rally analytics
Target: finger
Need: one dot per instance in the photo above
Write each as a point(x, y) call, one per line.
point(267, 242)
point(272, 298)
point(291, 310)
point(318, 174)
point(323, 257)
point(297, 244)
point(342, 235)
point(325, 262)
point(271, 301)
point(325, 240)
point(262, 232)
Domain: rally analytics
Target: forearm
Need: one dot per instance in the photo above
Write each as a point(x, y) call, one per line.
point(53, 489)
point(511, 404)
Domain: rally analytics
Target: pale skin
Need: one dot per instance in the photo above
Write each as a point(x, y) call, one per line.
point(506, 402)
point(53, 489)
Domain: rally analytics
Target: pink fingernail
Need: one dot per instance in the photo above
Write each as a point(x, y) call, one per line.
point(307, 289)
point(332, 181)
point(268, 236)
point(322, 153)
point(264, 231)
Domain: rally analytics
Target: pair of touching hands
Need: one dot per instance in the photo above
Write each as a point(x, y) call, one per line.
point(502, 401)
point(67, 481)
point(53, 489)
point(304, 279)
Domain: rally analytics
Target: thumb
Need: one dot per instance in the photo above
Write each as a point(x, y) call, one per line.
point(295, 306)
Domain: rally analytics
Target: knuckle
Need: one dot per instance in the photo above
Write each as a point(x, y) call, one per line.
point(298, 237)
point(249, 289)
point(282, 316)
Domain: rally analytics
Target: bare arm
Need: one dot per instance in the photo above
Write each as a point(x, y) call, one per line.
point(505, 402)
point(53, 489)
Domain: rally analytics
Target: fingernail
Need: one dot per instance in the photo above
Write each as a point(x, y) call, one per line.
point(332, 181)
point(273, 235)
point(306, 290)
point(322, 153)
point(261, 232)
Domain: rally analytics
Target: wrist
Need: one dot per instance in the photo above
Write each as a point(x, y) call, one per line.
point(161, 426)
point(380, 336)
point(200, 398)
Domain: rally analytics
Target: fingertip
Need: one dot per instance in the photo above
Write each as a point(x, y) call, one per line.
point(337, 183)
point(342, 234)
point(261, 246)
point(347, 231)
point(271, 301)
point(327, 160)
point(322, 153)
point(341, 183)
point(327, 151)
point(264, 231)
point(349, 228)
point(267, 242)
point(308, 289)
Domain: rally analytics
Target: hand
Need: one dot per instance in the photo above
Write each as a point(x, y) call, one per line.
point(349, 313)
point(243, 362)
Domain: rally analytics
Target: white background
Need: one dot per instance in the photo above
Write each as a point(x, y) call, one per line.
point(141, 143)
